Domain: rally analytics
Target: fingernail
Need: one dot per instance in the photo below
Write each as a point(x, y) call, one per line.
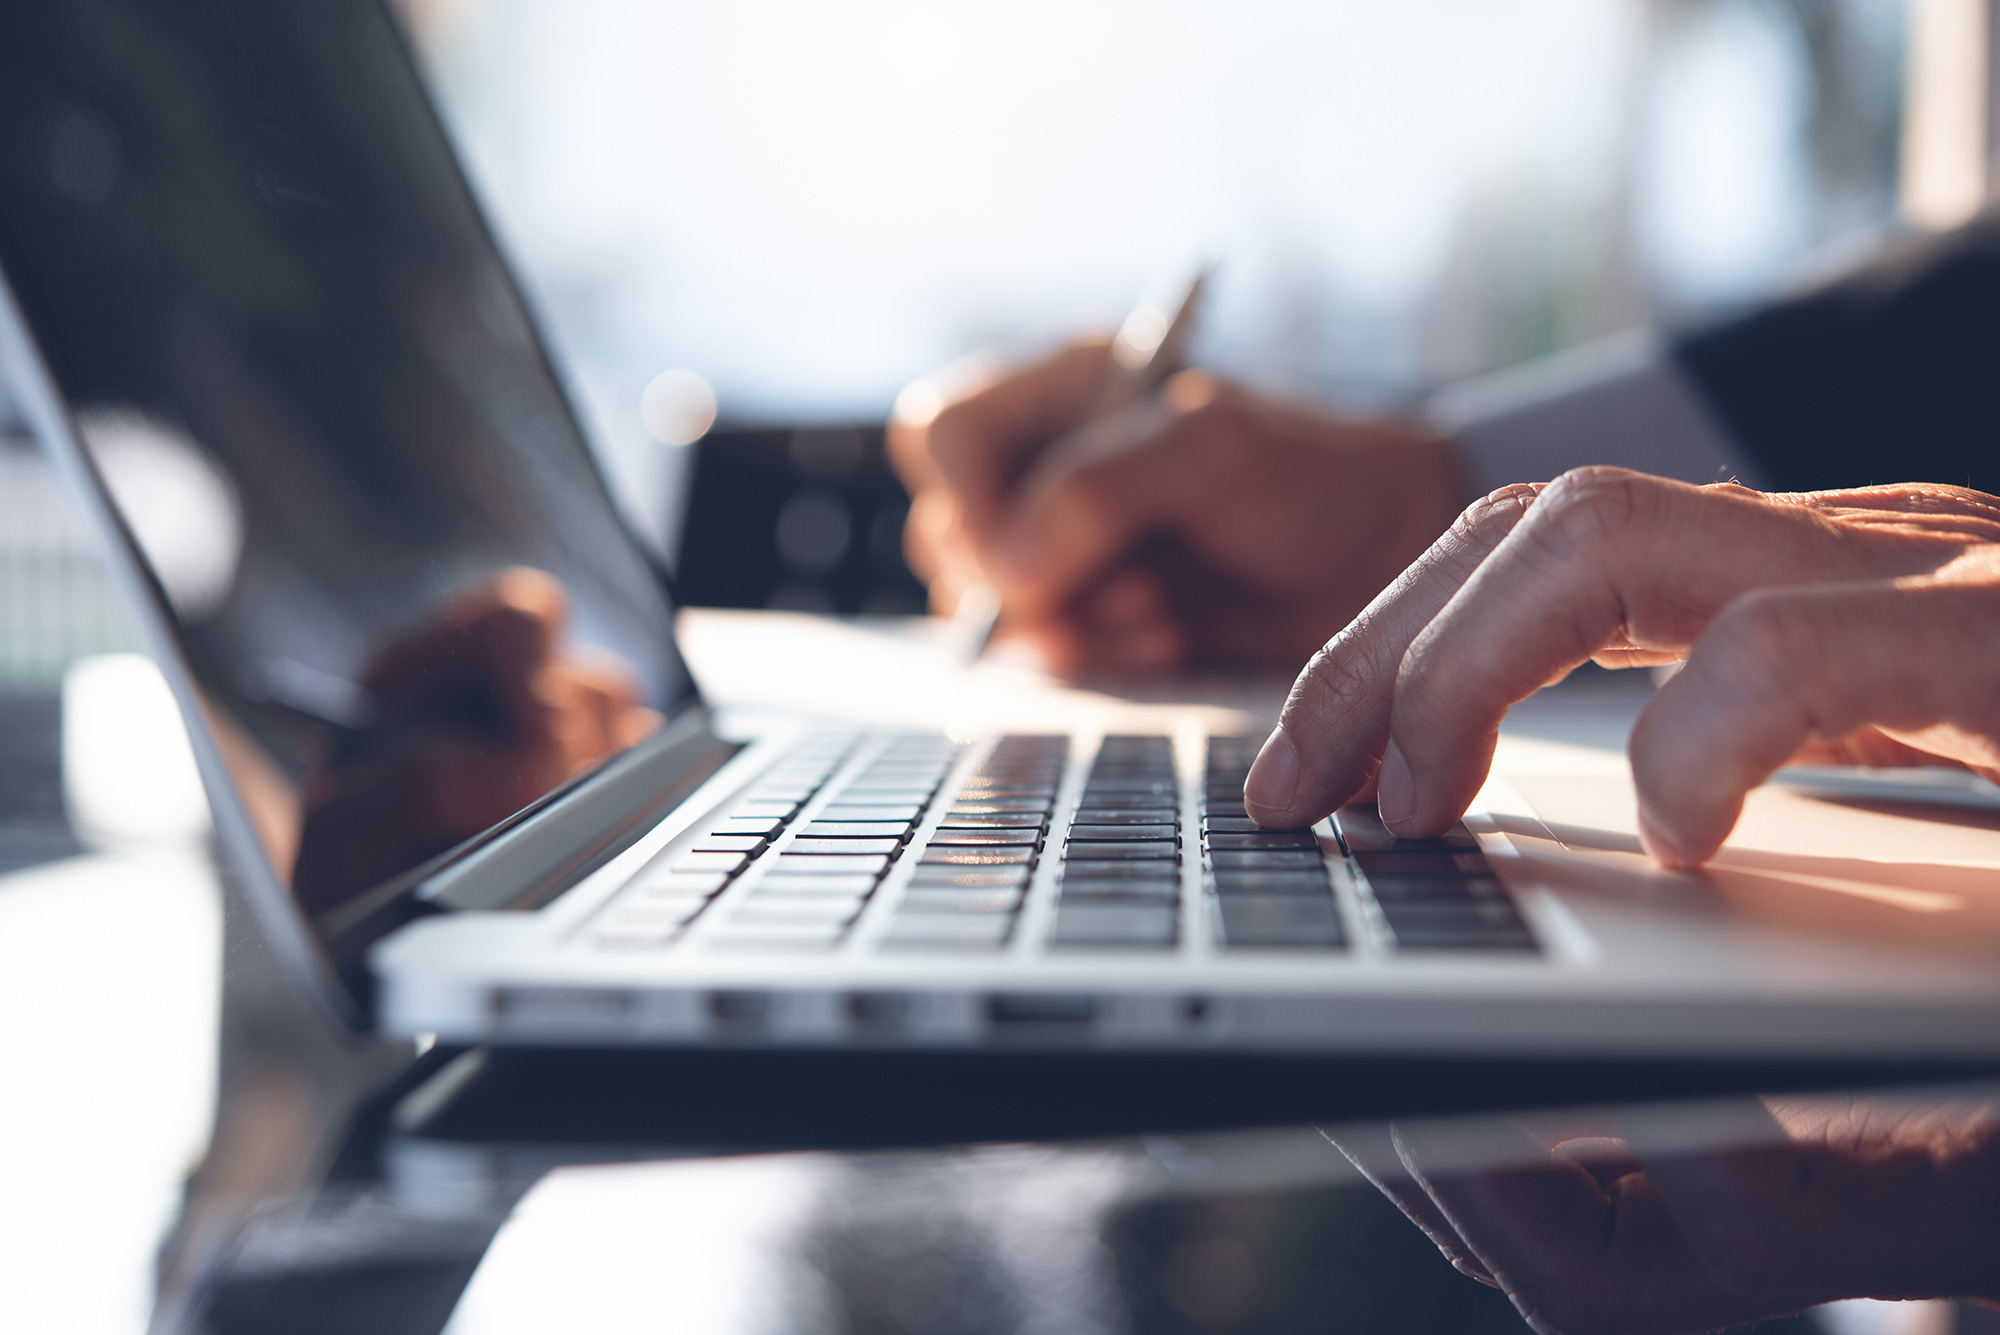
point(1395, 793)
point(1658, 845)
point(1274, 776)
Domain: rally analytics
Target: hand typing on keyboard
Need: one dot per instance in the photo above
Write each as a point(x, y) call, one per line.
point(1859, 625)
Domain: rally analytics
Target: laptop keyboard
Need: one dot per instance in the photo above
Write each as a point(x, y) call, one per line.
point(1118, 884)
point(972, 878)
point(1271, 891)
point(1121, 865)
point(1433, 894)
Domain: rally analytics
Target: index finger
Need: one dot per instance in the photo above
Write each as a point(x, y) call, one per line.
point(1335, 723)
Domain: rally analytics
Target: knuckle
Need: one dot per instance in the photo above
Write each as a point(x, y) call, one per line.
point(1588, 510)
point(1334, 683)
point(950, 432)
point(1500, 508)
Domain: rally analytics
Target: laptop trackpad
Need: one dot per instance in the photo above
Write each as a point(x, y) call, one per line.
point(1893, 873)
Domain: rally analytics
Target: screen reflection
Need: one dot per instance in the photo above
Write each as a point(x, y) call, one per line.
point(320, 411)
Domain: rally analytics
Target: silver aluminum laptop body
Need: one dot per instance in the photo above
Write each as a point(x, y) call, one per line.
point(308, 332)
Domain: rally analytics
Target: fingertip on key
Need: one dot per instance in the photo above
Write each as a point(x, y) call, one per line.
point(1273, 782)
point(1395, 791)
point(1659, 846)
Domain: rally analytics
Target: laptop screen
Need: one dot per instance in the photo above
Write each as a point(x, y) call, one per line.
point(319, 408)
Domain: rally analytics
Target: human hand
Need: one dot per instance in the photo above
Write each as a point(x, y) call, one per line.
point(1863, 624)
point(475, 715)
point(1688, 1219)
point(1212, 525)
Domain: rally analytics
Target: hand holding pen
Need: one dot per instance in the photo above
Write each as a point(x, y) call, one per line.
point(1148, 347)
point(1136, 517)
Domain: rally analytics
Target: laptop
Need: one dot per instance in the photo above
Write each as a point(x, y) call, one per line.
point(255, 317)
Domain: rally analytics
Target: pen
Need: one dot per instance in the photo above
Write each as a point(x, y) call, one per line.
point(1148, 348)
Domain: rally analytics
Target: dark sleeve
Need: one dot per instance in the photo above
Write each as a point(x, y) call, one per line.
point(1890, 374)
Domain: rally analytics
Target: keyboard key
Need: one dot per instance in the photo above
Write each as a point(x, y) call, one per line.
point(1448, 938)
point(778, 811)
point(1089, 815)
point(968, 878)
point(1130, 793)
point(1363, 832)
point(961, 901)
point(1250, 859)
point(659, 916)
point(1235, 881)
point(948, 931)
point(976, 857)
point(1280, 921)
point(1398, 863)
point(903, 813)
point(1119, 833)
point(1296, 839)
point(960, 837)
point(973, 820)
point(779, 885)
point(609, 939)
point(759, 826)
point(808, 912)
point(1090, 887)
point(726, 863)
point(1139, 869)
point(855, 829)
point(1012, 806)
point(774, 793)
point(1231, 825)
point(729, 843)
point(884, 797)
point(778, 936)
point(831, 864)
point(1122, 852)
point(680, 885)
point(1142, 926)
point(1435, 889)
point(844, 847)
point(1473, 916)
point(791, 780)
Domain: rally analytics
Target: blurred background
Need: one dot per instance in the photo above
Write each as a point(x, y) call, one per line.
point(801, 206)
point(739, 220)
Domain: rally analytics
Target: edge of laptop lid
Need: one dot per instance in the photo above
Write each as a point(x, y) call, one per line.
point(42, 406)
point(561, 829)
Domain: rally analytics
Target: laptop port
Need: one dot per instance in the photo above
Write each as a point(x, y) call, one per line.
point(879, 1009)
point(739, 1008)
point(1024, 1009)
